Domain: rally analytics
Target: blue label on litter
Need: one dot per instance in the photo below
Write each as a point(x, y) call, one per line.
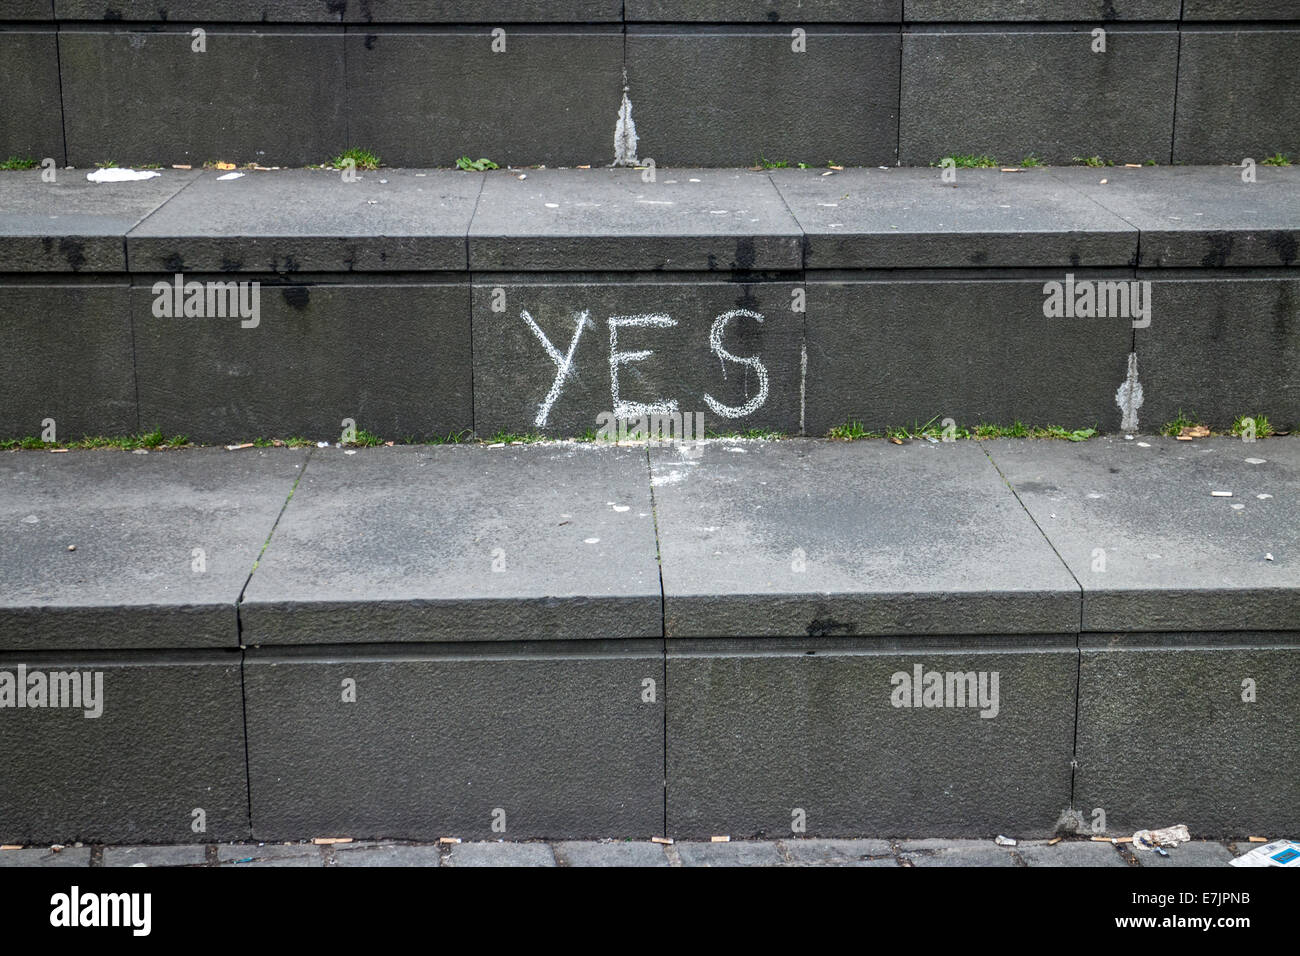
point(1286, 856)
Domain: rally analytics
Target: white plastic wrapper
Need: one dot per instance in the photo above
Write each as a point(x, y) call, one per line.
point(1277, 853)
point(115, 175)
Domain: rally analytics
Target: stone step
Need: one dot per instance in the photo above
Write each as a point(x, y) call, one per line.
point(423, 303)
point(572, 640)
point(716, 83)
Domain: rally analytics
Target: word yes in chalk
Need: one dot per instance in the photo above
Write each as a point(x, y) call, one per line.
point(625, 407)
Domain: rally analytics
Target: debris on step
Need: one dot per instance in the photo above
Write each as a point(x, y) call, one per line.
point(1169, 836)
point(1001, 840)
point(1278, 853)
point(115, 175)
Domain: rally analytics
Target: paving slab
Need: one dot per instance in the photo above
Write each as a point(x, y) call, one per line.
point(164, 542)
point(959, 854)
point(1049, 10)
point(828, 95)
point(193, 854)
point(43, 856)
point(270, 854)
point(613, 853)
point(1197, 853)
point(501, 854)
point(423, 96)
point(1195, 729)
point(1055, 98)
point(1204, 324)
point(814, 851)
point(247, 74)
point(769, 11)
point(163, 762)
point(910, 218)
point(400, 544)
point(559, 741)
point(28, 10)
point(1237, 92)
point(748, 853)
point(1151, 546)
point(1201, 217)
point(71, 224)
point(612, 219)
point(839, 736)
point(388, 856)
point(1240, 10)
point(68, 359)
point(1070, 853)
point(331, 11)
point(887, 353)
point(730, 352)
point(30, 124)
point(391, 355)
point(803, 538)
point(303, 220)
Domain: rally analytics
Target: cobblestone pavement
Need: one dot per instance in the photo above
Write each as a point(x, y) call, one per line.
point(802, 852)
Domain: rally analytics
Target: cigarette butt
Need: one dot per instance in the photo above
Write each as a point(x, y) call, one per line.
point(720, 839)
point(330, 841)
point(446, 840)
point(11, 846)
point(1250, 840)
point(666, 841)
point(1055, 841)
point(181, 166)
point(1098, 839)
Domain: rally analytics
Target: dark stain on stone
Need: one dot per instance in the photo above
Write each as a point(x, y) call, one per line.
point(1113, 471)
point(713, 262)
point(1075, 259)
point(773, 16)
point(1219, 250)
point(74, 252)
point(337, 7)
point(746, 298)
point(111, 14)
point(746, 256)
point(370, 41)
point(805, 246)
point(1108, 10)
point(979, 258)
point(174, 263)
point(47, 243)
point(1284, 244)
point(1284, 313)
point(231, 265)
point(290, 266)
point(1035, 487)
point(298, 296)
point(830, 626)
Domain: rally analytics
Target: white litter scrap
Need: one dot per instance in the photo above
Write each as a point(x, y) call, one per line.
point(228, 176)
point(1001, 840)
point(1277, 853)
point(1169, 836)
point(115, 175)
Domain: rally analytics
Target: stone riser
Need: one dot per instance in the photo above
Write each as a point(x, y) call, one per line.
point(564, 741)
point(864, 93)
point(425, 359)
